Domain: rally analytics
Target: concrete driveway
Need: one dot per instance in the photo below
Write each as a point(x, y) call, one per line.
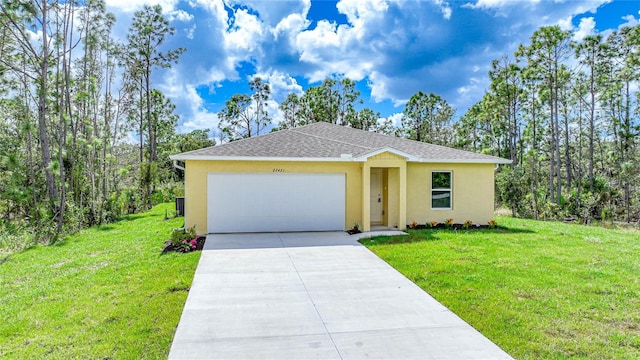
point(313, 296)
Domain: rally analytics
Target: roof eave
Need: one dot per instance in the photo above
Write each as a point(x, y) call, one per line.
point(466, 161)
point(364, 158)
point(391, 150)
point(260, 158)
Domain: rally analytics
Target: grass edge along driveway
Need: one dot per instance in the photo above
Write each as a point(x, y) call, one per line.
point(539, 290)
point(104, 292)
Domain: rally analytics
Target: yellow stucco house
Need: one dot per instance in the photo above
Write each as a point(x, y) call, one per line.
point(329, 177)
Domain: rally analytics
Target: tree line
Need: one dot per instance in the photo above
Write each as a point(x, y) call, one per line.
point(71, 97)
point(564, 111)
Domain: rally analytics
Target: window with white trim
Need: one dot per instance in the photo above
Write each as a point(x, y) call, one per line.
point(441, 190)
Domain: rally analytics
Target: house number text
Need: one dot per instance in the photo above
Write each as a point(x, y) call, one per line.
point(278, 170)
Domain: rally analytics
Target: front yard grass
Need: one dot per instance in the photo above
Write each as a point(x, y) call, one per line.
point(103, 293)
point(539, 290)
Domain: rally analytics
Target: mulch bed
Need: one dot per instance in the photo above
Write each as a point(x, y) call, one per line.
point(199, 245)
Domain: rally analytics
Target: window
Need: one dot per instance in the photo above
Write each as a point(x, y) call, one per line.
point(441, 190)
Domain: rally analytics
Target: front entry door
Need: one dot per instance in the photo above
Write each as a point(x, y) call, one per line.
point(376, 196)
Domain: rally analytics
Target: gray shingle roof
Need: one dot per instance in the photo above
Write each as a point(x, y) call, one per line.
point(325, 141)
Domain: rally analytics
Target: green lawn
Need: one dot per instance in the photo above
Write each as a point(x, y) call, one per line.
point(103, 293)
point(540, 290)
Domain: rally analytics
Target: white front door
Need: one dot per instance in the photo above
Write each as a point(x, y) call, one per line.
point(376, 195)
point(262, 202)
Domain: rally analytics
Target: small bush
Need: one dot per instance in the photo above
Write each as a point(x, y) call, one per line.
point(16, 238)
point(448, 223)
point(187, 245)
point(433, 224)
point(492, 224)
point(467, 224)
point(178, 235)
point(413, 225)
point(167, 192)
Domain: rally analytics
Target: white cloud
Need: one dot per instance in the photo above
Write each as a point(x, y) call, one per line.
point(290, 25)
point(244, 39)
point(585, 28)
point(566, 23)
point(273, 109)
point(445, 8)
point(179, 15)
point(395, 118)
point(133, 5)
point(190, 32)
point(272, 12)
point(200, 120)
point(630, 21)
point(378, 85)
point(359, 11)
point(214, 7)
point(194, 114)
point(487, 4)
point(281, 84)
point(313, 43)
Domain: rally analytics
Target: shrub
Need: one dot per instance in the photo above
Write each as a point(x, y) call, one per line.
point(492, 224)
point(178, 235)
point(187, 245)
point(413, 225)
point(16, 236)
point(433, 224)
point(167, 192)
point(448, 223)
point(467, 224)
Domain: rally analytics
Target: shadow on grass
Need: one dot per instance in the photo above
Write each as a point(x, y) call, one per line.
point(136, 217)
point(4, 258)
point(506, 230)
point(105, 227)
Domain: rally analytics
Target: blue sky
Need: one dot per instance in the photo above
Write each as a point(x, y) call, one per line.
point(392, 48)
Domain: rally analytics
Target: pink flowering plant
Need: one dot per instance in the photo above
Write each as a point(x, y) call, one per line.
point(184, 240)
point(187, 245)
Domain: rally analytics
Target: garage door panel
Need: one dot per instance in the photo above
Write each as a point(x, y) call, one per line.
point(255, 202)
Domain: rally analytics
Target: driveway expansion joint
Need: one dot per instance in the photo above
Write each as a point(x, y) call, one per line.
point(293, 263)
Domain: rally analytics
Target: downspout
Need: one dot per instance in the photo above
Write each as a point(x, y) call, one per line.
point(179, 167)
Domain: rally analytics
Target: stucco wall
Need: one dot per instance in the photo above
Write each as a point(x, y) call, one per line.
point(472, 195)
point(196, 184)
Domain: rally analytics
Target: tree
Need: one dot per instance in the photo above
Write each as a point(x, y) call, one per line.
point(237, 118)
point(591, 53)
point(16, 17)
point(290, 109)
point(244, 116)
point(549, 48)
point(365, 119)
point(507, 90)
point(147, 33)
point(260, 93)
point(427, 118)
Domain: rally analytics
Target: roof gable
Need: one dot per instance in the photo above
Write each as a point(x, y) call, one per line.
point(329, 142)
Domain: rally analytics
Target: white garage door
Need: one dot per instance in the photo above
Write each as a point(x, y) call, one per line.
point(262, 202)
